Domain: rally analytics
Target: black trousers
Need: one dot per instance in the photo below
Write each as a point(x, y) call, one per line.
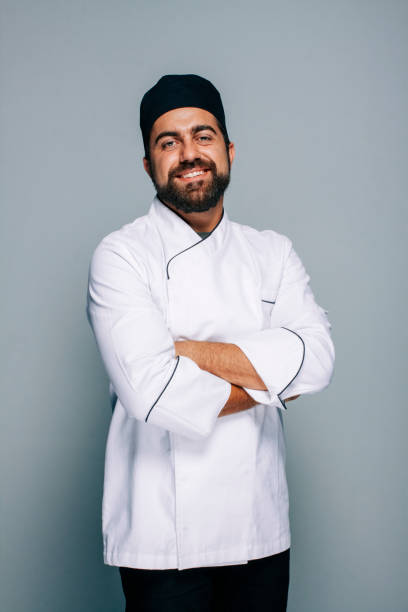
point(260, 585)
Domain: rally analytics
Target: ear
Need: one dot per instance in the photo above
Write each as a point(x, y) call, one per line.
point(146, 165)
point(231, 151)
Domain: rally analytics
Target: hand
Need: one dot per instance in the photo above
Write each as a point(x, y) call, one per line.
point(289, 399)
point(176, 347)
point(183, 347)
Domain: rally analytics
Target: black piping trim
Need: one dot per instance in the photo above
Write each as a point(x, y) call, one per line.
point(199, 242)
point(167, 384)
point(303, 358)
point(269, 302)
point(282, 403)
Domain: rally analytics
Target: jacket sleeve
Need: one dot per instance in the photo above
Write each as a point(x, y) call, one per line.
point(138, 352)
point(295, 355)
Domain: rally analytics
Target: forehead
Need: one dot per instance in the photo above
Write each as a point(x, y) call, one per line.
point(183, 119)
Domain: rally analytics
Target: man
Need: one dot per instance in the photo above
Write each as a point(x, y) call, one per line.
point(206, 328)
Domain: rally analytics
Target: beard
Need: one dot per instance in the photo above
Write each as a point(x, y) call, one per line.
point(198, 195)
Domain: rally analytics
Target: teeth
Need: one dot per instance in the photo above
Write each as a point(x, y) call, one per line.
point(191, 174)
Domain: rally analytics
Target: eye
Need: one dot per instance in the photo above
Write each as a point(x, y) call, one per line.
point(204, 138)
point(169, 144)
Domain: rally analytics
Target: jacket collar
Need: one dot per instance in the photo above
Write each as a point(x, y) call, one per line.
point(177, 235)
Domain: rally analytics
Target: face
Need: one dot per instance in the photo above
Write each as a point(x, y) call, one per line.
point(189, 161)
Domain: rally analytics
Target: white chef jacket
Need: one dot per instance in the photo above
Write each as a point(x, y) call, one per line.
point(183, 488)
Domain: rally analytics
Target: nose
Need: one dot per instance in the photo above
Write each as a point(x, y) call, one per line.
point(188, 151)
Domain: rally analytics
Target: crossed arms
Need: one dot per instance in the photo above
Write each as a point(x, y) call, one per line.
point(184, 386)
point(230, 363)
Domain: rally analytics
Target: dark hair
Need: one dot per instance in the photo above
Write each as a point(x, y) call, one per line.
point(220, 127)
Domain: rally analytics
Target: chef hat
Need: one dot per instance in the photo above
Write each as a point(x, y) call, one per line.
point(177, 91)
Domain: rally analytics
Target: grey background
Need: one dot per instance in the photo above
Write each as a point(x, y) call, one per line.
point(316, 98)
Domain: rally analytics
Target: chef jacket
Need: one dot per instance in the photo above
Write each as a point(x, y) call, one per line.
point(182, 487)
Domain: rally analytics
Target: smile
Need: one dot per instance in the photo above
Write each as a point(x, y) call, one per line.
point(191, 175)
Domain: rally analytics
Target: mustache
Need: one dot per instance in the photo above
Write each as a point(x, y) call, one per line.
point(194, 164)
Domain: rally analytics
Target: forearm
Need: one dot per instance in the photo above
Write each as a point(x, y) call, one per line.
point(222, 359)
point(238, 401)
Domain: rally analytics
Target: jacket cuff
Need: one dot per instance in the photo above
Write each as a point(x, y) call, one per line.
point(261, 397)
point(191, 400)
point(277, 355)
point(266, 398)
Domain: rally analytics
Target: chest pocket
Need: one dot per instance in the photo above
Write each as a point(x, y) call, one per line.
point(267, 308)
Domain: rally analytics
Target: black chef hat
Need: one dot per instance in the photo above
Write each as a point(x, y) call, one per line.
point(177, 91)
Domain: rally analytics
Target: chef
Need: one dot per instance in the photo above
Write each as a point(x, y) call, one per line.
point(206, 328)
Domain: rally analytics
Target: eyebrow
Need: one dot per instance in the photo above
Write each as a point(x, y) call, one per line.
point(199, 128)
point(194, 130)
